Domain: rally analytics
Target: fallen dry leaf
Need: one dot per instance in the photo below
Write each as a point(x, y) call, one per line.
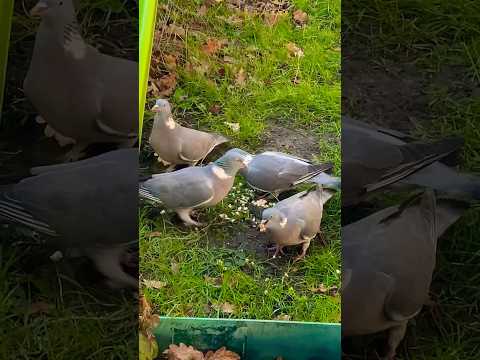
point(170, 62)
point(154, 284)
point(296, 80)
point(183, 352)
point(215, 109)
point(283, 317)
point(228, 59)
point(235, 127)
point(322, 289)
point(212, 46)
point(147, 320)
point(241, 77)
point(226, 308)
point(222, 354)
point(39, 307)
point(165, 86)
point(155, 234)
point(176, 30)
point(337, 49)
point(294, 50)
point(271, 18)
point(202, 10)
point(300, 17)
point(175, 267)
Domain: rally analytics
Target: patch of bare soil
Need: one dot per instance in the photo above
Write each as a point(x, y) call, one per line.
point(296, 142)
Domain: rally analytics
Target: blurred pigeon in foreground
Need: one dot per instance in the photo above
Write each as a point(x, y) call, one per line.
point(194, 187)
point(175, 144)
point(373, 159)
point(89, 206)
point(297, 219)
point(388, 262)
point(84, 96)
point(274, 172)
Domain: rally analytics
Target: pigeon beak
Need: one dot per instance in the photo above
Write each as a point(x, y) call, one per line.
point(39, 9)
point(156, 108)
point(263, 226)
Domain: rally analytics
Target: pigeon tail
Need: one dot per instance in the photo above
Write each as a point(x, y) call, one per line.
point(12, 210)
point(315, 170)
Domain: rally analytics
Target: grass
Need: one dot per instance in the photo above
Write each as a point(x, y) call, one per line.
point(58, 310)
point(441, 39)
point(223, 270)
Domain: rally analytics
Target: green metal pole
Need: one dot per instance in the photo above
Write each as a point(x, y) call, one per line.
point(6, 11)
point(148, 14)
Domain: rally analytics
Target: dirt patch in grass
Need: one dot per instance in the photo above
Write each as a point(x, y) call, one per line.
point(297, 142)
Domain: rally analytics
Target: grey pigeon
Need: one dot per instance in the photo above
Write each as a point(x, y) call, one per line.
point(84, 96)
point(388, 262)
point(437, 176)
point(194, 187)
point(174, 144)
point(297, 219)
point(370, 162)
point(274, 172)
point(88, 207)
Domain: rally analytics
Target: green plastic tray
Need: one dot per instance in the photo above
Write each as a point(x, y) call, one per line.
point(254, 339)
point(6, 11)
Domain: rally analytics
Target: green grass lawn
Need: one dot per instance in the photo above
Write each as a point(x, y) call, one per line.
point(237, 67)
point(434, 47)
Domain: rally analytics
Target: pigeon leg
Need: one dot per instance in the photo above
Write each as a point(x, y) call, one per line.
point(184, 214)
point(107, 261)
point(395, 336)
point(279, 250)
point(305, 247)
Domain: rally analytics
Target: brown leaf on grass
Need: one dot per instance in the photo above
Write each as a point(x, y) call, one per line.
point(147, 320)
point(155, 234)
point(212, 46)
point(215, 109)
point(283, 317)
point(241, 78)
point(202, 10)
point(175, 267)
point(225, 308)
point(39, 307)
point(165, 86)
point(228, 59)
point(322, 289)
point(234, 20)
point(300, 17)
point(175, 30)
point(271, 18)
point(170, 62)
point(183, 352)
point(222, 354)
point(294, 50)
point(337, 49)
point(154, 284)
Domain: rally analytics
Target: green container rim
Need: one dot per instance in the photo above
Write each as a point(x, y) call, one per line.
point(6, 13)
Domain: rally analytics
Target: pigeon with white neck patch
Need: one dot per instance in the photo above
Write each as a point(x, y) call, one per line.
point(175, 144)
point(297, 219)
point(194, 187)
point(84, 96)
point(388, 262)
point(275, 172)
point(89, 206)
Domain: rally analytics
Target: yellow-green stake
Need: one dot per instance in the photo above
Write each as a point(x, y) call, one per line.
point(148, 15)
point(6, 11)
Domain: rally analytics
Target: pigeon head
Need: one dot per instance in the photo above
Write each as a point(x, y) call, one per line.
point(53, 8)
point(272, 218)
point(162, 106)
point(233, 161)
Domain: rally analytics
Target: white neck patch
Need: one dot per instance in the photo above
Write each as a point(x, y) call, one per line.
point(283, 223)
point(76, 47)
point(170, 123)
point(220, 173)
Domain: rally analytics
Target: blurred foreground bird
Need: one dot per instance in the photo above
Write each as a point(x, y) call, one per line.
point(297, 219)
point(388, 262)
point(84, 96)
point(88, 206)
point(175, 144)
point(275, 172)
point(374, 159)
point(194, 187)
